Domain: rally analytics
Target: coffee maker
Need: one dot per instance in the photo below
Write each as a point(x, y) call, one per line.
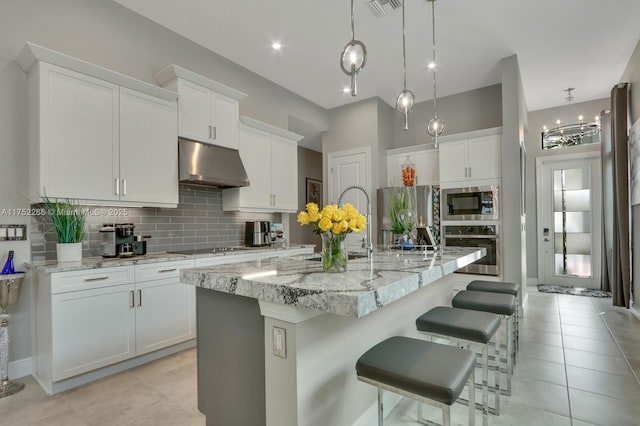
point(117, 240)
point(257, 233)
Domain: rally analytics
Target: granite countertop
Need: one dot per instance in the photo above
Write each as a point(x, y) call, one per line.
point(51, 266)
point(367, 285)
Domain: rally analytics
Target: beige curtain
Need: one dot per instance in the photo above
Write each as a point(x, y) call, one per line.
point(616, 265)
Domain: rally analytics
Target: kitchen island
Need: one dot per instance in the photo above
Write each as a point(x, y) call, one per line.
point(278, 339)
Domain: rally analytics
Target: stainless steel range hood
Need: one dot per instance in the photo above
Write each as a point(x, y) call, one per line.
point(210, 165)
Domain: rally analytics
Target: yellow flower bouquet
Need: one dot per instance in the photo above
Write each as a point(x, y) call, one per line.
point(333, 223)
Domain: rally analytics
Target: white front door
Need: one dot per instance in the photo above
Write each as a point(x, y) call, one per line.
point(348, 168)
point(569, 220)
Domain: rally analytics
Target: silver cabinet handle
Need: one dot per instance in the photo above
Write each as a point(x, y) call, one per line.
point(124, 187)
point(215, 132)
point(465, 172)
point(167, 270)
point(117, 185)
point(139, 297)
point(131, 302)
point(96, 279)
point(210, 131)
point(469, 171)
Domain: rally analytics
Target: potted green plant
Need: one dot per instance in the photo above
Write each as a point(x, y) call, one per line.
point(402, 214)
point(68, 221)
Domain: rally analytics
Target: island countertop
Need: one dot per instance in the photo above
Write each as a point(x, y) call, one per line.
point(368, 284)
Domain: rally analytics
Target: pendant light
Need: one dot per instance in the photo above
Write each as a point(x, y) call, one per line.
point(354, 56)
point(406, 99)
point(436, 125)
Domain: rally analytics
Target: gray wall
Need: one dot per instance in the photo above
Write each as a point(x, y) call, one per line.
point(367, 123)
point(109, 35)
point(309, 166)
point(462, 112)
point(197, 222)
point(514, 124)
point(632, 75)
point(533, 144)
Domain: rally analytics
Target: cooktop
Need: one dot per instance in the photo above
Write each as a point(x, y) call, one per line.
point(213, 250)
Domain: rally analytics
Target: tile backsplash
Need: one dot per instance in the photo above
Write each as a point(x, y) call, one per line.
point(197, 222)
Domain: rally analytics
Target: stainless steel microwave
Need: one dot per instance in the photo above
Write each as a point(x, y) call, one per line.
point(471, 203)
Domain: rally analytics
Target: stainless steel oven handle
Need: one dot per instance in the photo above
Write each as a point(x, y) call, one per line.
point(461, 236)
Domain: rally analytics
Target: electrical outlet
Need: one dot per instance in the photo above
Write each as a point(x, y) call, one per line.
point(280, 342)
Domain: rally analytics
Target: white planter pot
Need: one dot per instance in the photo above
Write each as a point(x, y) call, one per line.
point(69, 252)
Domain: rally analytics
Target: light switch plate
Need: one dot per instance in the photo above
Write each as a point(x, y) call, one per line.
point(280, 342)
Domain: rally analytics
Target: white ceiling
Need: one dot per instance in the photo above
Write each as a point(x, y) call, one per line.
point(579, 43)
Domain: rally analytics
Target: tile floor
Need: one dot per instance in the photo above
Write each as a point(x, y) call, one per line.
point(579, 364)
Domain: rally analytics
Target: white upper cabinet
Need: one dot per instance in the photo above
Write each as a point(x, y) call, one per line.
point(148, 125)
point(466, 161)
point(92, 133)
point(208, 110)
point(424, 159)
point(270, 157)
point(78, 145)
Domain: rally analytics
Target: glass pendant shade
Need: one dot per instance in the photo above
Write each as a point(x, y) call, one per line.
point(435, 127)
point(354, 57)
point(404, 103)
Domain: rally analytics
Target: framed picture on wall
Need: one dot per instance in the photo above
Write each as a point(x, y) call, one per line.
point(314, 191)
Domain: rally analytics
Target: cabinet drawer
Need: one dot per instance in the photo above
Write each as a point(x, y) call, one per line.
point(64, 282)
point(155, 271)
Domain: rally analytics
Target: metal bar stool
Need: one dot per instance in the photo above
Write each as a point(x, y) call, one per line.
point(427, 372)
point(497, 303)
point(502, 287)
point(468, 327)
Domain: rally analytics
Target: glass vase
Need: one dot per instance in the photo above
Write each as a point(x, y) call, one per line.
point(334, 252)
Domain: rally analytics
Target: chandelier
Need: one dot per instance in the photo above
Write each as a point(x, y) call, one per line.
point(580, 133)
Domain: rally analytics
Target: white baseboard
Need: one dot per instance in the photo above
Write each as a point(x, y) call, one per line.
point(532, 282)
point(20, 368)
point(370, 417)
point(635, 311)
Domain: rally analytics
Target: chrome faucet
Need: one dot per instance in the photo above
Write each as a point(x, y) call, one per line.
point(369, 243)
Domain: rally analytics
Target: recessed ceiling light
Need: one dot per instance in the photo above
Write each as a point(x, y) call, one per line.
point(431, 65)
point(346, 90)
point(276, 46)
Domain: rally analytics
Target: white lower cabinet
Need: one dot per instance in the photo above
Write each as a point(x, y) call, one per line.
point(165, 308)
point(91, 329)
point(87, 320)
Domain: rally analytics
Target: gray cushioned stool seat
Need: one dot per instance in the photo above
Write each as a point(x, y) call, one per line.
point(497, 303)
point(493, 287)
point(459, 323)
point(430, 370)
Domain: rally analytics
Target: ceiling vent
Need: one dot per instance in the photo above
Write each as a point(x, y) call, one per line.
point(382, 7)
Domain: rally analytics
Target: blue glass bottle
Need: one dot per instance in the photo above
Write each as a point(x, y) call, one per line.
point(8, 265)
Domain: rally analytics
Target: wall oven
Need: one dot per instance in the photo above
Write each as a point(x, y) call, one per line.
point(471, 203)
point(481, 236)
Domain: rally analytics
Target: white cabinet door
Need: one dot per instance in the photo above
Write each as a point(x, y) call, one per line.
point(149, 158)
point(165, 314)
point(225, 121)
point(284, 174)
point(484, 157)
point(79, 135)
point(453, 161)
point(195, 112)
point(427, 170)
point(91, 329)
point(255, 152)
